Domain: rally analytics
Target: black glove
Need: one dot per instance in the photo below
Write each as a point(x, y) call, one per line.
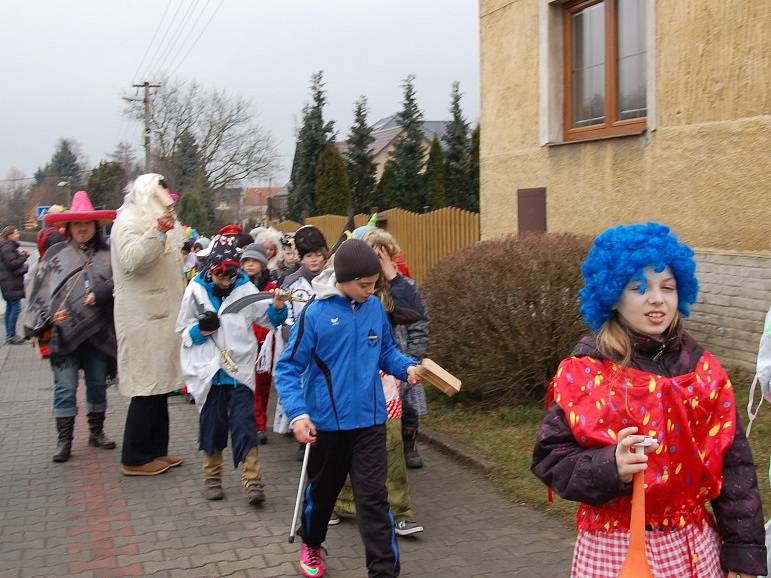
point(208, 321)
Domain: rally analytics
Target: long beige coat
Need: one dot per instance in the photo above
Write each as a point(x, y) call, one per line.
point(147, 272)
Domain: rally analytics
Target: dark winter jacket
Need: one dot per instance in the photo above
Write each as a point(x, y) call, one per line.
point(13, 266)
point(590, 475)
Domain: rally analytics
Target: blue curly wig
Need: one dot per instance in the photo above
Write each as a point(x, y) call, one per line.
point(620, 254)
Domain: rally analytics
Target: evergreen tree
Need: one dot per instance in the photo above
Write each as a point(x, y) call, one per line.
point(63, 166)
point(105, 185)
point(333, 193)
point(188, 179)
point(408, 154)
point(456, 168)
point(434, 177)
point(313, 137)
point(384, 193)
point(474, 172)
point(360, 160)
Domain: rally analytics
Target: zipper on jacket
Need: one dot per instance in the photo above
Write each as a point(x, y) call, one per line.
point(657, 358)
point(328, 378)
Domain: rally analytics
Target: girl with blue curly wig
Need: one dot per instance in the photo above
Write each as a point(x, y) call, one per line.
point(642, 378)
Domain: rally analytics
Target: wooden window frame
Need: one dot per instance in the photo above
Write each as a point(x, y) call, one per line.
point(612, 126)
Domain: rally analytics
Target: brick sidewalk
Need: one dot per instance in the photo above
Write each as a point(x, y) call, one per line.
point(83, 518)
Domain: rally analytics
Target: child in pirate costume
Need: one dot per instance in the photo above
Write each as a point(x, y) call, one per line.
point(329, 381)
point(639, 375)
point(218, 355)
point(312, 248)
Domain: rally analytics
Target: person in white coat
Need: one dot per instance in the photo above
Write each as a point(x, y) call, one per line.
point(218, 355)
point(146, 241)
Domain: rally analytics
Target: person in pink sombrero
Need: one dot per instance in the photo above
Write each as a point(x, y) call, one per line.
point(71, 298)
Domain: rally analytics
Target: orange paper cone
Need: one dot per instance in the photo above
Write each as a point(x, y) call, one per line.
point(636, 563)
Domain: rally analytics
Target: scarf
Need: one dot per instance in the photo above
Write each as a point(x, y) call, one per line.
point(691, 416)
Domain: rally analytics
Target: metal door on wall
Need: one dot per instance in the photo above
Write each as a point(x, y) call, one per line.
point(531, 210)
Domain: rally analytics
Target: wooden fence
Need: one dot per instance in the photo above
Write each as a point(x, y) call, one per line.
point(424, 238)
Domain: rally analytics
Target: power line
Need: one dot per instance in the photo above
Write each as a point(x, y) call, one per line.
point(151, 62)
point(195, 42)
point(179, 50)
point(174, 37)
point(16, 180)
point(152, 41)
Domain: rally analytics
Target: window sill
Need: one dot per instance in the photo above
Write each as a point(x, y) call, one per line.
point(592, 138)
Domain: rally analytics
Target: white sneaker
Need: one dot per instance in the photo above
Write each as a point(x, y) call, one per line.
point(334, 520)
point(407, 528)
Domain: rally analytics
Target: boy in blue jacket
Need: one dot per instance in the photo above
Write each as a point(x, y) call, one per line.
point(328, 379)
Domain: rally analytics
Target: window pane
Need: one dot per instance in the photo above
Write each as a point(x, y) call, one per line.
point(631, 59)
point(588, 66)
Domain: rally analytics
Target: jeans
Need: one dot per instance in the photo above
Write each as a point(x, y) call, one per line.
point(94, 364)
point(12, 311)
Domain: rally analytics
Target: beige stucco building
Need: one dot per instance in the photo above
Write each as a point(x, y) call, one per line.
point(696, 155)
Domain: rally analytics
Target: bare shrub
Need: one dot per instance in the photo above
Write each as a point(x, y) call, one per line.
point(505, 312)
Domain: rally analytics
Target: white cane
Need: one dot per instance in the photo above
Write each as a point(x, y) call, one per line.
point(299, 493)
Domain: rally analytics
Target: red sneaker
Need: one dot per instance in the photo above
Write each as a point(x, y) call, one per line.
point(311, 562)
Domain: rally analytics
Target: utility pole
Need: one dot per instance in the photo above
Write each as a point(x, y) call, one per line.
point(147, 86)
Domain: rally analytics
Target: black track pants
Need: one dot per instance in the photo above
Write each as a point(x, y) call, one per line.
point(362, 453)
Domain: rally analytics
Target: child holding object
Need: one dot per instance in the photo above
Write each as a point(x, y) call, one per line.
point(328, 379)
point(641, 374)
point(218, 355)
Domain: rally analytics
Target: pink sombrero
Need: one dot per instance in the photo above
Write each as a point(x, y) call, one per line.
point(81, 210)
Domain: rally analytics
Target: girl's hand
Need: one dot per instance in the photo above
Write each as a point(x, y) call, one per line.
point(627, 461)
point(386, 264)
point(90, 299)
point(278, 299)
point(733, 574)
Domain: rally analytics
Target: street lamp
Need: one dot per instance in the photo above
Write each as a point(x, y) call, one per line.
point(65, 184)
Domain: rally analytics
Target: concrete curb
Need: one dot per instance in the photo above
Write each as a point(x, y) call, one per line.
point(461, 453)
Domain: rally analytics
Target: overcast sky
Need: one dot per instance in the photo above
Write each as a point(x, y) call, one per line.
point(65, 65)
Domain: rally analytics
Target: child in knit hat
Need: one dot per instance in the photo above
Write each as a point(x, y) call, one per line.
point(328, 379)
point(254, 262)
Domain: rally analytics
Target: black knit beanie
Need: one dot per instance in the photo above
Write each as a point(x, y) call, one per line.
point(355, 259)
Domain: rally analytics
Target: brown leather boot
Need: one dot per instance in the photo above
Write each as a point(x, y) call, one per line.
point(65, 427)
point(96, 436)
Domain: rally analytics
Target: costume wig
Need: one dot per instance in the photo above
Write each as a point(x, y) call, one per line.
point(619, 256)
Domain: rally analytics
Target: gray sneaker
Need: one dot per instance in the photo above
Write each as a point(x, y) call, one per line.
point(334, 519)
point(407, 528)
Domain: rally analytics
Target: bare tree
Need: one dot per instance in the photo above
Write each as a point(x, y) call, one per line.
point(232, 145)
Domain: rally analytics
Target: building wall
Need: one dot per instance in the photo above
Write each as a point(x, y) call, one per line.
point(734, 297)
point(703, 168)
point(700, 171)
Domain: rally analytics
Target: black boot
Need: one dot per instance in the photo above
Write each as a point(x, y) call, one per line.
point(65, 427)
point(411, 455)
point(96, 435)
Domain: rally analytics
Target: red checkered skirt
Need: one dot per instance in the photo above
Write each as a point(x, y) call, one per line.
point(691, 552)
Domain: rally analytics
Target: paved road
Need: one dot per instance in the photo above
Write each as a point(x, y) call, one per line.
point(83, 518)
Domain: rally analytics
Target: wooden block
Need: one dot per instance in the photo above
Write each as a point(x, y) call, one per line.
point(439, 377)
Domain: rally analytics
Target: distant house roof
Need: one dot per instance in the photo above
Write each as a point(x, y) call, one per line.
point(431, 128)
point(256, 196)
point(387, 129)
